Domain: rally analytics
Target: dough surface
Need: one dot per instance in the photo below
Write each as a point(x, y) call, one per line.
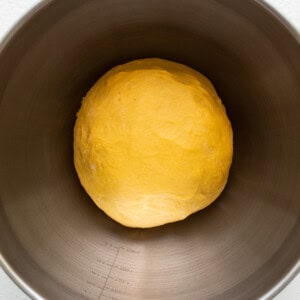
point(152, 143)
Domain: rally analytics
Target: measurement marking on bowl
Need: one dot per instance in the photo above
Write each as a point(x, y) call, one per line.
point(117, 283)
point(113, 264)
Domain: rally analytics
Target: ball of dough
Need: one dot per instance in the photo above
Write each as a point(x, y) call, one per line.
point(152, 143)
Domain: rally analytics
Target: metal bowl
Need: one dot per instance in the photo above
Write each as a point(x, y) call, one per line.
point(56, 244)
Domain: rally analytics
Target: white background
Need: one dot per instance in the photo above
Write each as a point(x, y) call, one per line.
point(12, 10)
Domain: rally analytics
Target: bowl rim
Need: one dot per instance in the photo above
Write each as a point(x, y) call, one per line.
point(21, 282)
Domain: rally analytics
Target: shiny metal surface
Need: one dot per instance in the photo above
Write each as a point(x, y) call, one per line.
point(55, 242)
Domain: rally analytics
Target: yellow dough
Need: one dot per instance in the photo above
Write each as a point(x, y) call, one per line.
point(152, 143)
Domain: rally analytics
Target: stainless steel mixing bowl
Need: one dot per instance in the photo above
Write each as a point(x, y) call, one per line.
point(56, 244)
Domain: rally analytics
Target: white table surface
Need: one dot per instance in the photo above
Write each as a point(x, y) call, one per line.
point(12, 10)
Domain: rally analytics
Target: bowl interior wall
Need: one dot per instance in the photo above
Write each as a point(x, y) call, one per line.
point(50, 231)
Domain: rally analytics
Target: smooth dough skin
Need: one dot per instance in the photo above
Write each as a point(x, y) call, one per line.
point(152, 143)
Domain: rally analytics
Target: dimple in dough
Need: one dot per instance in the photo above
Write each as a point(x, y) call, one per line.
point(152, 143)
